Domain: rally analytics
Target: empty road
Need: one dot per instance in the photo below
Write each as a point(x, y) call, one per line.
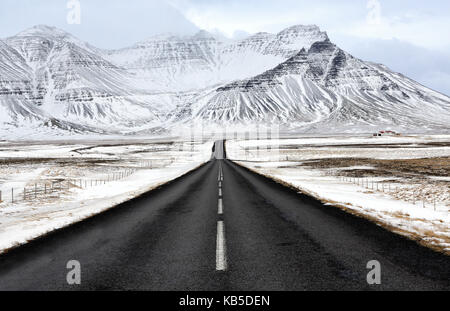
point(222, 227)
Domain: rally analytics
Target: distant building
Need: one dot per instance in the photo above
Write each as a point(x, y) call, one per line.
point(386, 133)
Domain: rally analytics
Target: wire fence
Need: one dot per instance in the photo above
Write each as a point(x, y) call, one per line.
point(416, 198)
point(52, 189)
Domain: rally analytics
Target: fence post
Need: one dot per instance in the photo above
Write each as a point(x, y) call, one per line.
point(0, 195)
point(24, 194)
point(12, 195)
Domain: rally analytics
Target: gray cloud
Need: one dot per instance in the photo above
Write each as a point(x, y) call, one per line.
point(431, 68)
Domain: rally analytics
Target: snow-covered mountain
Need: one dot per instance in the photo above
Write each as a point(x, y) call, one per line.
point(182, 63)
point(63, 82)
point(325, 89)
point(51, 81)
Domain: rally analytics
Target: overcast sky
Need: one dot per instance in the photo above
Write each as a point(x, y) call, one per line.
point(410, 36)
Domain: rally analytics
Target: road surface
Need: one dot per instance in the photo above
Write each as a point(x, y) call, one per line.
point(222, 227)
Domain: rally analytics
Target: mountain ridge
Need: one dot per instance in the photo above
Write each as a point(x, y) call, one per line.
point(296, 78)
point(325, 78)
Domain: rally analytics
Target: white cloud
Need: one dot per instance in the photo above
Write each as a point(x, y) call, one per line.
point(258, 15)
point(414, 21)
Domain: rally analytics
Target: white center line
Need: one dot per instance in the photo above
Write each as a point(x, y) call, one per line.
point(220, 207)
point(220, 192)
point(221, 257)
point(220, 172)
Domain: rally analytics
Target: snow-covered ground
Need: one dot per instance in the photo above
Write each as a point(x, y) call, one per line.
point(401, 183)
point(68, 182)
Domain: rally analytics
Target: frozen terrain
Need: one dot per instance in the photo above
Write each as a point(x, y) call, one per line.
point(401, 183)
point(53, 84)
point(57, 184)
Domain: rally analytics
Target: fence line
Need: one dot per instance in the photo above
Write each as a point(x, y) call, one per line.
point(54, 189)
point(386, 187)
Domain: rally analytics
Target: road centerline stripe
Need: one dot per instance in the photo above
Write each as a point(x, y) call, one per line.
point(220, 207)
point(221, 259)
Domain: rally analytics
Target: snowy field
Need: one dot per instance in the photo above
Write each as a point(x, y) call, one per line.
point(401, 183)
point(46, 186)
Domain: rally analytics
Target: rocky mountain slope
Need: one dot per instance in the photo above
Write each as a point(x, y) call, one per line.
point(51, 82)
point(182, 63)
point(325, 88)
point(62, 82)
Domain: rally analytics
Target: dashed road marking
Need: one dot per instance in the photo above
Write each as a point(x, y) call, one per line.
point(221, 256)
point(220, 172)
point(220, 207)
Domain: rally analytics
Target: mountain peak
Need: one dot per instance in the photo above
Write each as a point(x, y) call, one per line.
point(44, 30)
point(305, 30)
point(203, 34)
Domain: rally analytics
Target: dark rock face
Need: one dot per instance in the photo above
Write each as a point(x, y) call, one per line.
point(337, 64)
point(322, 47)
point(324, 63)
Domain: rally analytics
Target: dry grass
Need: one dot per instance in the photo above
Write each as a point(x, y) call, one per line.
point(405, 168)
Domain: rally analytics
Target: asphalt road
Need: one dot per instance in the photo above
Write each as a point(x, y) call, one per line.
point(222, 227)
